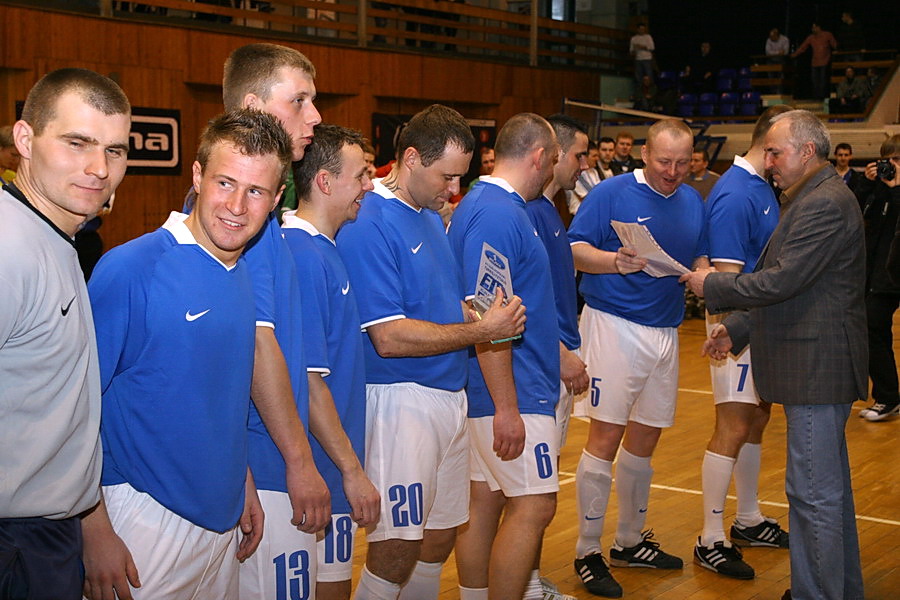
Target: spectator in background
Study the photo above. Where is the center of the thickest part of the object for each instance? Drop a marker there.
(622, 161)
(843, 154)
(641, 48)
(646, 97)
(487, 160)
(850, 35)
(9, 156)
(822, 43)
(777, 48)
(589, 177)
(700, 177)
(369, 156)
(701, 71)
(852, 94)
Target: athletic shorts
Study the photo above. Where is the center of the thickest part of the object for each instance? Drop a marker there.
(417, 456)
(40, 559)
(532, 472)
(175, 558)
(564, 408)
(633, 370)
(335, 550)
(732, 378)
(286, 558)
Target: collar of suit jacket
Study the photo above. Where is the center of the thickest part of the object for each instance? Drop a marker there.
(794, 191)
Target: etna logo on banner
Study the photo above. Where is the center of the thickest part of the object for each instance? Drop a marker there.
(155, 142)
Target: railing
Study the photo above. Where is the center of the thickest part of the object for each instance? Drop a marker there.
(448, 27)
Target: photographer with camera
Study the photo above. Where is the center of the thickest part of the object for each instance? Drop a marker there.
(879, 197)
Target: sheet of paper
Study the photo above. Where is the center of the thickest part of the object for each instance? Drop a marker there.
(639, 238)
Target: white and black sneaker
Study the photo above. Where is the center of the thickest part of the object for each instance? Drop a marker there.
(596, 577)
(880, 411)
(724, 559)
(647, 553)
(768, 533)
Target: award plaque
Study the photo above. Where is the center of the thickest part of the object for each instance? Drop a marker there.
(493, 273)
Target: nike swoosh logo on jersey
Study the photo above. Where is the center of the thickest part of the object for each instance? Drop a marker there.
(536, 233)
(642, 510)
(718, 512)
(346, 289)
(587, 518)
(189, 317)
(65, 310)
(765, 212)
(556, 233)
(642, 219)
(416, 249)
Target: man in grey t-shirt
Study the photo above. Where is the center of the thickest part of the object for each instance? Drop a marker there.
(73, 138)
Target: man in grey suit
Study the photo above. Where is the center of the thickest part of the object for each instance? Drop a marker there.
(805, 318)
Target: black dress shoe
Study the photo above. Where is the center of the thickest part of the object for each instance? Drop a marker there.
(787, 595)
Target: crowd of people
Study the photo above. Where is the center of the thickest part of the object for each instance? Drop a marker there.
(229, 399)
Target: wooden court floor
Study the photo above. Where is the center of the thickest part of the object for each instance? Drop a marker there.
(675, 511)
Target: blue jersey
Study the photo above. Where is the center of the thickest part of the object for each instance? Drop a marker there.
(400, 264)
(279, 305)
(550, 228)
(326, 288)
(494, 213)
(742, 214)
(175, 332)
(678, 224)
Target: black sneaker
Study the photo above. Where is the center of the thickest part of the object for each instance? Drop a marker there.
(724, 560)
(596, 577)
(644, 554)
(768, 533)
(880, 411)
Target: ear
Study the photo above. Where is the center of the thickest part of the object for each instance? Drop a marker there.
(322, 181)
(536, 157)
(277, 198)
(23, 135)
(250, 100)
(807, 151)
(644, 153)
(196, 175)
(411, 157)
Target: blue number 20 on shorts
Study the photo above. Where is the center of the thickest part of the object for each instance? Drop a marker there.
(407, 508)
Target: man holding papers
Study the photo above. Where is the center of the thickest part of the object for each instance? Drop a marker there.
(630, 345)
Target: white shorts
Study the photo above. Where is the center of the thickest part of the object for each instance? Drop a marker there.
(336, 550)
(563, 412)
(533, 472)
(417, 456)
(732, 378)
(284, 565)
(633, 370)
(175, 558)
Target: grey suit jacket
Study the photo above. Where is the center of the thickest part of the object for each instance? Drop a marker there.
(806, 320)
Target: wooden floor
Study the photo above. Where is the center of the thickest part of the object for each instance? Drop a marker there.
(676, 504)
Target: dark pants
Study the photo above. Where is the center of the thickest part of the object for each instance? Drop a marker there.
(880, 310)
(40, 559)
(819, 78)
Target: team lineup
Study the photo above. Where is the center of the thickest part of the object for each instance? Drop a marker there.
(234, 397)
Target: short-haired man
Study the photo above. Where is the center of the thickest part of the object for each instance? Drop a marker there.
(631, 313)
(487, 160)
(176, 349)
(812, 272)
(598, 169)
(331, 180)
(843, 154)
(741, 213)
(9, 155)
(622, 161)
(73, 139)
(572, 138)
(700, 177)
(417, 451)
(513, 385)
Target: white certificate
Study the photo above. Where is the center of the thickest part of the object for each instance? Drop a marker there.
(638, 238)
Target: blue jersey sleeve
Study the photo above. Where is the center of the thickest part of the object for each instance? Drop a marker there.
(500, 233)
(313, 282)
(591, 223)
(261, 257)
(729, 220)
(374, 271)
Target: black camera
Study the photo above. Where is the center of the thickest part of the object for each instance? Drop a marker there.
(884, 169)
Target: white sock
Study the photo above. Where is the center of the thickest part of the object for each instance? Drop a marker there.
(593, 480)
(533, 590)
(746, 484)
(633, 474)
(473, 593)
(716, 476)
(371, 587)
(424, 583)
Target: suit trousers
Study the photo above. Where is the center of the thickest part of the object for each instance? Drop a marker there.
(824, 543)
(880, 310)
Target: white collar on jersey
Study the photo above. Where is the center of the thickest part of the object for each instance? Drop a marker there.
(292, 221)
(639, 177)
(175, 225)
(743, 163)
(380, 189)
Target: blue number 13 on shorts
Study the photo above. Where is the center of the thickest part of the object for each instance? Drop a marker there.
(292, 575)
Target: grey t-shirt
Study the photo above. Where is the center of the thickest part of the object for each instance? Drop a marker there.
(50, 454)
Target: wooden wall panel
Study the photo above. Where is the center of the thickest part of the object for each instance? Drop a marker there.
(180, 68)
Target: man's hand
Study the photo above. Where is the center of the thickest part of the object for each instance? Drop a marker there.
(108, 566)
(695, 279)
(252, 520)
(310, 498)
(572, 371)
(509, 434)
(501, 322)
(718, 344)
(627, 261)
(365, 502)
